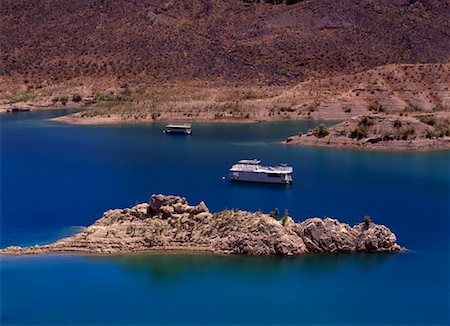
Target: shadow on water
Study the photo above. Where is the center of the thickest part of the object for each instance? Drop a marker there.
(172, 266)
(256, 185)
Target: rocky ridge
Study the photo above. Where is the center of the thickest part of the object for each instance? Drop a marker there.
(235, 41)
(169, 223)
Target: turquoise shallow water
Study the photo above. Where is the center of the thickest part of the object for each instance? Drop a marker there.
(57, 177)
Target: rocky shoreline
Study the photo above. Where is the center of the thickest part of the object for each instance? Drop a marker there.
(170, 224)
(377, 132)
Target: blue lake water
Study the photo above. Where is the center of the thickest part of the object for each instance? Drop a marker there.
(55, 178)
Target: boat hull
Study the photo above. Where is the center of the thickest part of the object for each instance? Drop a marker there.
(178, 132)
(242, 176)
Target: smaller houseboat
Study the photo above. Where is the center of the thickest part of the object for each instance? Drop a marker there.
(184, 129)
(252, 171)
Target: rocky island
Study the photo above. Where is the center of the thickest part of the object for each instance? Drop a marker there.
(169, 223)
(382, 132)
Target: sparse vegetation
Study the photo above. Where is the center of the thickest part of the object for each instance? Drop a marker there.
(367, 221)
(428, 119)
(360, 132)
(397, 123)
(406, 133)
(440, 107)
(376, 108)
(22, 98)
(320, 131)
(274, 214)
(286, 109)
(411, 108)
(76, 98)
(443, 130)
(365, 121)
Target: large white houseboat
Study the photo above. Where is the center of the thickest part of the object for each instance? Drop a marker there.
(183, 128)
(252, 171)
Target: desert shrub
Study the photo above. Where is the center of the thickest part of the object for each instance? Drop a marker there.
(285, 217)
(428, 119)
(311, 108)
(365, 121)
(22, 98)
(376, 108)
(407, 133)
(76, 98)
(155, 115)
(440, 107)
(387, 136)
(320, 131)
(287, 109)
(397, 123)
(347, 109)
(443, 130)
(367, 221)
(412, 108)
(274, 214)
(360, 132)
(430, 134)
(64, 100)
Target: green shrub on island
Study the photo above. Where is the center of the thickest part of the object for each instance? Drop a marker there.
(320, 131)
(360, 132)
(367, 221)
(274, 214)
(285, 217)
(365, 121)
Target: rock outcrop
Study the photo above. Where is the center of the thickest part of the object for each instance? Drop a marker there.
(169, 223)
(383, 132)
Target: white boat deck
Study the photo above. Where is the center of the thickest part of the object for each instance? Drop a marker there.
(254, 166)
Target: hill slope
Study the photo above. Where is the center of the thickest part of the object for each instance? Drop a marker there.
(231, 42)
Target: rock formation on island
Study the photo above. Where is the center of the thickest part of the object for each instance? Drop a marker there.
(382, 132)
(169, 223)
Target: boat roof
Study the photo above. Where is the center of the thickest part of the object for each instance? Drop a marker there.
(254, 162)
(179, 125)
(254, 166)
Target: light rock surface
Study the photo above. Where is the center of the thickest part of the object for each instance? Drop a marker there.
(169, 223)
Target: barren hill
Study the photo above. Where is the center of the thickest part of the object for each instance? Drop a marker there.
(231, 42)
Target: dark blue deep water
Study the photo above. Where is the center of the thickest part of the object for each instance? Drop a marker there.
(56, 177)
